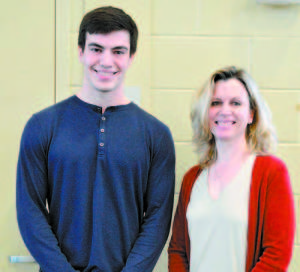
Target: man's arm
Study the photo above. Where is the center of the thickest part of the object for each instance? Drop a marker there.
(158, 208)
(32, 190)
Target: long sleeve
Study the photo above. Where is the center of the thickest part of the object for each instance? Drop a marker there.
(32, 213)
(278, 228)
(158, 201)
(179, 247)
(177, 252)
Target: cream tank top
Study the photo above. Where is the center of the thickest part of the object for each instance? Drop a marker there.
(218, 227)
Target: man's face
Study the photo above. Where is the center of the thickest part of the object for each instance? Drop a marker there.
(106, 58)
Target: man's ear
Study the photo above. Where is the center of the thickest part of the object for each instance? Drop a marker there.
(131, 58)
(80, 53)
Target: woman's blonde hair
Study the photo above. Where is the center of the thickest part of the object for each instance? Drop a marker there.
(260, 134)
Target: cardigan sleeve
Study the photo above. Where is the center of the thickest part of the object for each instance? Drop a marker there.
(279, 223)
(179, 246)
(178, 261)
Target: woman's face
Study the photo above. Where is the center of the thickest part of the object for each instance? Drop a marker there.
(229, 111)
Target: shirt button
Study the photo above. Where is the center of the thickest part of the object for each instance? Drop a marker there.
(101, 144)
(102, 130)
(103, 118)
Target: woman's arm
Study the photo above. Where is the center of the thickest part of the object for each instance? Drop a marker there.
(177, 253)
(278, 223)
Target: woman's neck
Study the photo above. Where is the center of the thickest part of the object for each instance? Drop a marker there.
(231, 152)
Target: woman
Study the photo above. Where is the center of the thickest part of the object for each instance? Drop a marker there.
(235, 210)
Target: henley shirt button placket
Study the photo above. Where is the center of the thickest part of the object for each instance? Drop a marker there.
(102, 136)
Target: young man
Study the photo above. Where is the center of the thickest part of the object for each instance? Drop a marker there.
(95, 179)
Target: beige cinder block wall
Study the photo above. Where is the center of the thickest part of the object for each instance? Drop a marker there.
(182, 42)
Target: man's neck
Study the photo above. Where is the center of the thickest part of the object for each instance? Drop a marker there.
(103, 99)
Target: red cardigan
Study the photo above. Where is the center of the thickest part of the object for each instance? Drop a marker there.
(271, 219)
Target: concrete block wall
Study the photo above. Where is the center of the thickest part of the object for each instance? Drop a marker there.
(182, 42)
